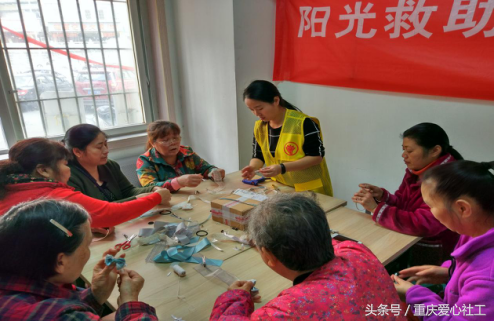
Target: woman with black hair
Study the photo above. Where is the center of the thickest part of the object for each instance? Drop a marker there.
(425, 146)
(37, 168)
(461, 196)
(45, 246)
(92, 173)
(286, 140)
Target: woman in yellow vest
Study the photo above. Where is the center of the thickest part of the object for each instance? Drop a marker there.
(286, 140)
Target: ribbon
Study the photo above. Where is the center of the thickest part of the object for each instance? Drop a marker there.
(120, 262)
(184, 254)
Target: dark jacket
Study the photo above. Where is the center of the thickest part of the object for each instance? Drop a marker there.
(116, 182)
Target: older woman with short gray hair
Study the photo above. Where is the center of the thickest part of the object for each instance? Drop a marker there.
(288, 225)
(331, 279)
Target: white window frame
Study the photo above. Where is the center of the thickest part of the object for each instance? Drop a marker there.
(121, 137)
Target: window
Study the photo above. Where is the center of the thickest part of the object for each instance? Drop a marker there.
(68, 65)
(3, 140)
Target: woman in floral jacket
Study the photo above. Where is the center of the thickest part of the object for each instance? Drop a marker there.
(168, 164)
(331, 280)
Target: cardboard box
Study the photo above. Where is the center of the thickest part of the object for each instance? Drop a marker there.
(232, 210)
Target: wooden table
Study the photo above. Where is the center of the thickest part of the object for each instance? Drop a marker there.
(197, 294)
(387, 245)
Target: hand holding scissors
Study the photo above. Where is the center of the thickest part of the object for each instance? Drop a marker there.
(125, 245)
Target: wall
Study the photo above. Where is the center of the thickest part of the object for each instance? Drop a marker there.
(203, 40)
(254, 52)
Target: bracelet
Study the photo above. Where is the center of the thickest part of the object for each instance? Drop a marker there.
(283, 168)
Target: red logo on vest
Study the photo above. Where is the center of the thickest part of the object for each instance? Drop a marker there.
(291, 148)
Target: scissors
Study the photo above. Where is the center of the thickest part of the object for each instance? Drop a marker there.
(125, 245)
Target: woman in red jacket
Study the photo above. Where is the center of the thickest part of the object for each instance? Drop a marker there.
(37, 167)
(424, 146)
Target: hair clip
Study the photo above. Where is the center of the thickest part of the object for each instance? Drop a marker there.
(491, 171)
(61, 227)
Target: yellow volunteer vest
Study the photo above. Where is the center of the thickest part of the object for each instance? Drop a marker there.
(289, 149)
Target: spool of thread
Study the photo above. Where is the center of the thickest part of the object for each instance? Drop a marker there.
(179, 271)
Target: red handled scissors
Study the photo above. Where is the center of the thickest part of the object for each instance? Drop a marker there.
(125, 245)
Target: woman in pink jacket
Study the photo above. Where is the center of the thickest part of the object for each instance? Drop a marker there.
(461, 196)
(331, 280)
(425, 145)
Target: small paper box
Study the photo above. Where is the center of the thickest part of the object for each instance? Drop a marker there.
(232, 210)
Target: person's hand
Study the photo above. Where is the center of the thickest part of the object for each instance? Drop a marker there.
(426, 274)
(248, 172)
(190, 180)
(130, 283)
(165, 194)
(217, 174)
(143, 195)
(246, 286)
(271, 171)
(375, 191)
(401, 286)
(366, 199)
(222, 171)
(104, 278)
(157, 188)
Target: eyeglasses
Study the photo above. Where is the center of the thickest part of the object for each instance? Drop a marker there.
(169, 141)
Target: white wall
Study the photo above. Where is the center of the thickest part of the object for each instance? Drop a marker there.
(203, 36)
(254, 52)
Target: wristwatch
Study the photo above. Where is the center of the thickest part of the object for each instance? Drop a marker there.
(283, 168)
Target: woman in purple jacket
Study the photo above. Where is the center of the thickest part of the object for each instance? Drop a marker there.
(425, 145)
(461, 196)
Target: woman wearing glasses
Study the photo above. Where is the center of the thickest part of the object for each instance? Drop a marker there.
(168, 164)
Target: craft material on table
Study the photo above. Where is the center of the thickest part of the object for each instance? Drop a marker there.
(120, 262)
(215, 246)
(170, 233)
(249, 194)
(153, 212)
(157, 249)
(242, 239)
(185, 254)
(179, 270)
(210, 271)
(187, 205)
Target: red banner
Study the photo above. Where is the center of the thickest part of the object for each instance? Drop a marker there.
(431, 47)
